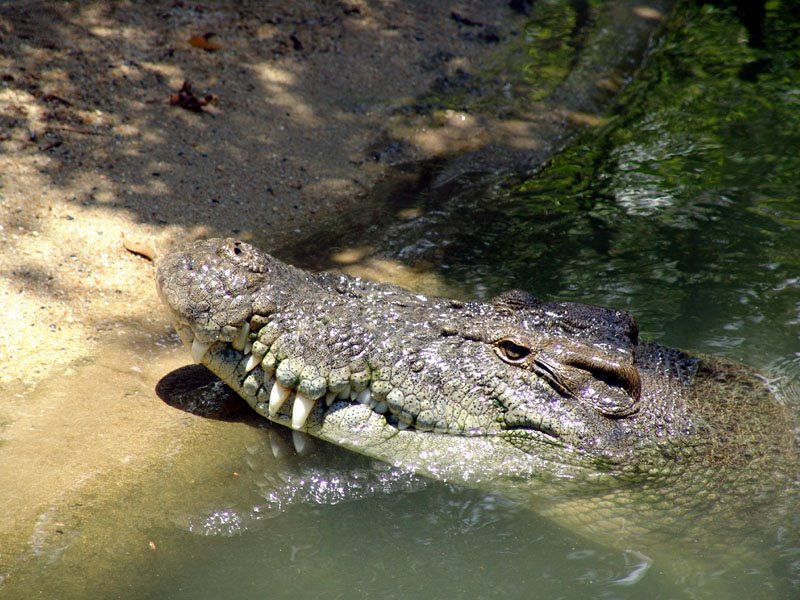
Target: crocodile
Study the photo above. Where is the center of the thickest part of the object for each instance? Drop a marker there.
(516, 394)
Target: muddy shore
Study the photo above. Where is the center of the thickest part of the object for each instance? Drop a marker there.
(127, 127)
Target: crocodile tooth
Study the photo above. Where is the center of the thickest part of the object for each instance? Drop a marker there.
(248, 348)
(364, 396)
(330, 397)
(380, 407)
(301, 409)
(199, 350)
(344, 394)
(402, 425)
(252, 362)
(277, 397)
(240, 340)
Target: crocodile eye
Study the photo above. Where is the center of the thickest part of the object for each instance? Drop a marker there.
(511, 351)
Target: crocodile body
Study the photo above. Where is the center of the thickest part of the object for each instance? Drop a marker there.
(514, 394)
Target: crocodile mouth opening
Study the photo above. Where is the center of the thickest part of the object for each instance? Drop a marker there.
(238, 356)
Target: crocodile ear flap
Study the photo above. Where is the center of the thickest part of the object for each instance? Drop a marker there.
(515, 300)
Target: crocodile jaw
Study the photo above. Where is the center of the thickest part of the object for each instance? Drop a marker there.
(355, 425)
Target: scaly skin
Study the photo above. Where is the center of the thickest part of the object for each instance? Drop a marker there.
(514, 394)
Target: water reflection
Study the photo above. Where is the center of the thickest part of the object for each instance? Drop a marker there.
(435, 543)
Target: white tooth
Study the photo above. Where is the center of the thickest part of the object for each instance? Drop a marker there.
(301, 442)
(345, 393)
(199, 350)
(353, 395)
(380, 408)
(364, 396)
(248, 347)
(402, 425)
(252, 362)
(330, 397)
(277, 396)
(301, 410)
(240, 340)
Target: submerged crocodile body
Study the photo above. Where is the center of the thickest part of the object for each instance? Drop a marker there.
(514, 394)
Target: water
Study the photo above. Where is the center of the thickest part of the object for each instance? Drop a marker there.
(437, 543)
(684, 210)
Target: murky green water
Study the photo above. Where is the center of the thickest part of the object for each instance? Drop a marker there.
(684, 210)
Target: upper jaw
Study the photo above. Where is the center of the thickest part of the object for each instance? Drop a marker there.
(307, 413)
(200, 342)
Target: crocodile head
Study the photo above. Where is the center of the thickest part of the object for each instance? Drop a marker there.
(511, 388)
(464, 391)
